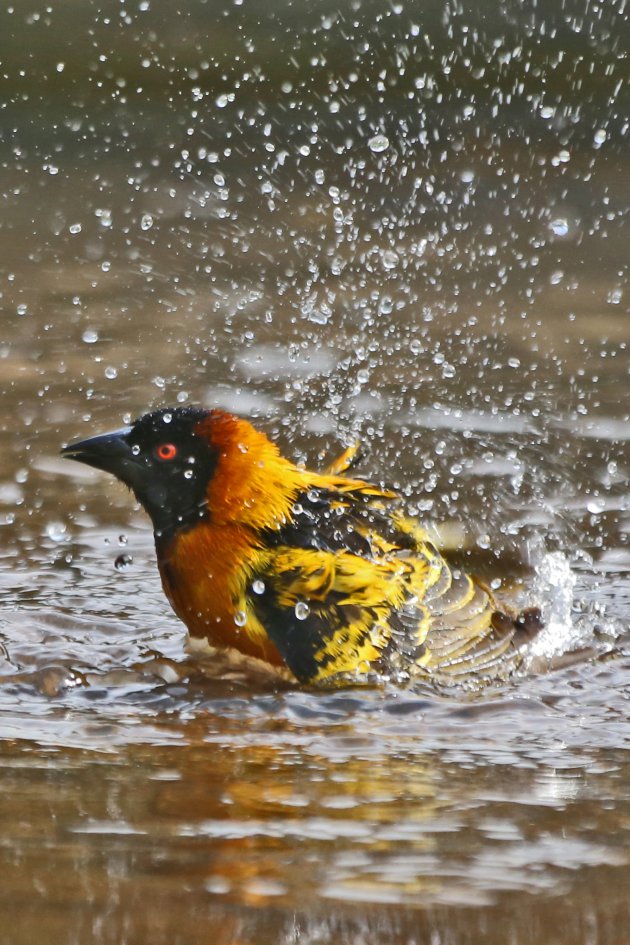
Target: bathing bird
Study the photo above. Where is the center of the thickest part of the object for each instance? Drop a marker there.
(318, 573)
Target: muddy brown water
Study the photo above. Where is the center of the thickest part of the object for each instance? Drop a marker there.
(456, 295)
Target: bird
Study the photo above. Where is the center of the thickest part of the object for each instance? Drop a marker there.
(320, 575)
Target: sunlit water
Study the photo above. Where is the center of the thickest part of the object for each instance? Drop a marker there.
(412, 230)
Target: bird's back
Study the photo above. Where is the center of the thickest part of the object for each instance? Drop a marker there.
(352, 587)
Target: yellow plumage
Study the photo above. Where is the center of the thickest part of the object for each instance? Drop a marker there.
(346, 586)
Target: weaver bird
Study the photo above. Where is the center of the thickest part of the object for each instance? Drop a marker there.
(318, 572)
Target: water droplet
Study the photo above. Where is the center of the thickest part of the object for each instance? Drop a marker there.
(146, 221)
(123, 562)
(75, 228)
(89, 336)
(599, 137)
(22, 309)
(302, 610)
(122, 539)
(559, 227)
(562, 157)
(378, 143)
(390, 259)
(240, 618)
(111, 373)
(104, 215)
(258, 587)
(56, 531)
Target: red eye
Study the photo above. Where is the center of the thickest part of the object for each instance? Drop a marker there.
(166, 451)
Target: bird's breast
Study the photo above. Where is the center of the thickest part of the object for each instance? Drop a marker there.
(204, 573)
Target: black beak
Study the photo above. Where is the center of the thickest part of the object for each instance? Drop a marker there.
(112, 453)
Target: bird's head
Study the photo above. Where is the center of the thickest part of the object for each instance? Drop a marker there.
(167, 458)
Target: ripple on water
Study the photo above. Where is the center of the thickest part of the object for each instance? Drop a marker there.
(379, 796)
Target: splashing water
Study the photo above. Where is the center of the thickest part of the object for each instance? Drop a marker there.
(572, 624)
(554, 586)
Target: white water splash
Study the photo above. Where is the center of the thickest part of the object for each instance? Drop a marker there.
(554, 588)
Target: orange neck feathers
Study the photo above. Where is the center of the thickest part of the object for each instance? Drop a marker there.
(252, 485)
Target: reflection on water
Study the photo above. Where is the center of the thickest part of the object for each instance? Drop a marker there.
(153, 794)
(411, 227)
(267, 813)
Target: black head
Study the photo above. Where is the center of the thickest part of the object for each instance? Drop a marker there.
(163, 458)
